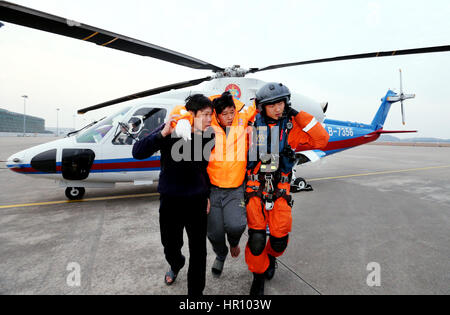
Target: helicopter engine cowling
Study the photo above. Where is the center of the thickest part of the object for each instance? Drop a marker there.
(245, 89)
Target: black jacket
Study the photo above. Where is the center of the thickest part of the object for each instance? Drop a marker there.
(183, 164)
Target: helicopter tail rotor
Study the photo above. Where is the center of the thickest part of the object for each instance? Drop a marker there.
(402, 95)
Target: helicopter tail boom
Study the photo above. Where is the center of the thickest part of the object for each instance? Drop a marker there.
(390, 98)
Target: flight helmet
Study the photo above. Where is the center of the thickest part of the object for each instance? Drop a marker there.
(272, 93)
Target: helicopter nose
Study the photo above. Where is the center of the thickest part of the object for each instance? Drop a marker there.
(33, 162)
(16, 162)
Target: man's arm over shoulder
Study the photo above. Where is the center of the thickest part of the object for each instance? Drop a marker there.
(308, 133)
(149, 145)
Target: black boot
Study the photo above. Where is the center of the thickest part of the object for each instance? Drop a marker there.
(258, 284)
(270, 272)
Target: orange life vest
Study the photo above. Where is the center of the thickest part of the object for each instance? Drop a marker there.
(228, 162)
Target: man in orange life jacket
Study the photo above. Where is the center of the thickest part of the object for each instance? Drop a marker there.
(278, 131)
(227, 219)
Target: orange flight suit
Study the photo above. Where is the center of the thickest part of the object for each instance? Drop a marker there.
(308, 134)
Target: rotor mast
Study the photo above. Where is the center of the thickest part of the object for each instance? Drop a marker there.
(232, 72)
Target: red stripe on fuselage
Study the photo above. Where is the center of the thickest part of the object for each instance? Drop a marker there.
(345, 144)
(127, 165)
(26, 170)
(99, 167)
(30, 170)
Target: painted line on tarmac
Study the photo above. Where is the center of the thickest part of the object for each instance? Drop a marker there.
(381, 173)
(82, 200)
(157, 194)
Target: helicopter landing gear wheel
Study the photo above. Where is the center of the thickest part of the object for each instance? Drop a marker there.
(75, 193)
(300, 184)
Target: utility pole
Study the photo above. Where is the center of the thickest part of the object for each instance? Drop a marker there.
(57, 122)
(24, 113)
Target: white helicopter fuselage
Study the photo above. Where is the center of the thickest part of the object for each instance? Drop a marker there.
(100, 156)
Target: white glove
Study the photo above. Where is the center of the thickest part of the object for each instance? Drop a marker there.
(183, 129)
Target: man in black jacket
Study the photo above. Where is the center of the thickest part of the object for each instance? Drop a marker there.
(184, 189)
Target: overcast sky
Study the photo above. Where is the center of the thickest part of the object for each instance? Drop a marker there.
(58, 72)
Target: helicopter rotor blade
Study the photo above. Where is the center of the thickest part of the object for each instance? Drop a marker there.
(403, 114)
(150, 92)
(13, 13)
(403, 52)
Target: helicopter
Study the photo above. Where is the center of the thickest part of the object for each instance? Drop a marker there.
(100, 154)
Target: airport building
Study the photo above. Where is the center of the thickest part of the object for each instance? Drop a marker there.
(13, 122)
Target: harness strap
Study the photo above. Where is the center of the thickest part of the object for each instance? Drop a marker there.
(270, 195)
(281, 193)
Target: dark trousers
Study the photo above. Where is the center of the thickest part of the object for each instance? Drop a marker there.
(175, 215)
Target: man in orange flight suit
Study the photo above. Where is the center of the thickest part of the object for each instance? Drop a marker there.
(278, 131)
(227, 219)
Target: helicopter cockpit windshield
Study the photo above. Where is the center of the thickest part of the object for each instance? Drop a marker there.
(98, 131)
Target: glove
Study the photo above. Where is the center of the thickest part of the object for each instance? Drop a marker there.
(183, 129)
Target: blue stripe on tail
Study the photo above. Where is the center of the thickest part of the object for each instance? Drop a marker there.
(383, 111)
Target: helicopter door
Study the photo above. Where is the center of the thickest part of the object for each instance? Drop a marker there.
(77, 163)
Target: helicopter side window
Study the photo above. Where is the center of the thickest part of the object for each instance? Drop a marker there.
(152, 118)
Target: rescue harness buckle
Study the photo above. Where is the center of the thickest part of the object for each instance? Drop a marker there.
(267, 191)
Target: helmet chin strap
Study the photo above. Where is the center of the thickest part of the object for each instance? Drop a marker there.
(269, 120)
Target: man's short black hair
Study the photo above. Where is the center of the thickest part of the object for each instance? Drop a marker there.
(222, 102)
(198, 102)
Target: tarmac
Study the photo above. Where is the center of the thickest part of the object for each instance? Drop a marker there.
(377, 222)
